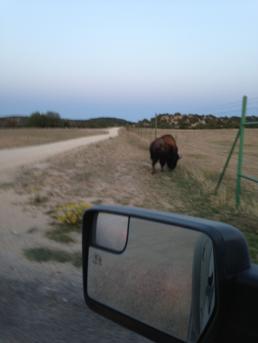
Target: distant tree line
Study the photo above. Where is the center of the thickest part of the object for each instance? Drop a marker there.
(48, 119)
(177, 120)
(194, 121)
(52, 119)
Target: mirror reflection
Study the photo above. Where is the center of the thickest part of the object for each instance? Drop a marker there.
(110, 231)
(164, 277)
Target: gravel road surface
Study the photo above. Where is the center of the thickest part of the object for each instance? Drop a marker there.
(42, 303)
(15, 157)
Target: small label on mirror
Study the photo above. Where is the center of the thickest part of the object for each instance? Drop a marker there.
(97, 260)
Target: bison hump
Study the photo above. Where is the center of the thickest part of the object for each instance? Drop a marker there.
(169, 140)
(164, 144)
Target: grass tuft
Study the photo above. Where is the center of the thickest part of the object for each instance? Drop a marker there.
(61, 233)
(46, 255)
(70, 213)
(38, 199)
(68, 219)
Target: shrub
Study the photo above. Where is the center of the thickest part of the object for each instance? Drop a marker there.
(71, 213)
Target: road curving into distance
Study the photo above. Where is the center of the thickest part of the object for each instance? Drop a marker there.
(43, 302)
(16, 157)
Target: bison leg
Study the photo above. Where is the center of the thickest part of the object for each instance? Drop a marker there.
(154, 161)
(162, 163)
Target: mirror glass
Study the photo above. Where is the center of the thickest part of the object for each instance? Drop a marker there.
(110, 231)
(164, 277)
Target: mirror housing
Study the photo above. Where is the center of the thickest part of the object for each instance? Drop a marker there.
(230, 259)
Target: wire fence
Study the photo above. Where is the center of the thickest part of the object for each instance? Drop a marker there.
(207, 150)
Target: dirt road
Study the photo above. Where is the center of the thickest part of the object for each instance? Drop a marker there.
(41, 303)
(11, 158)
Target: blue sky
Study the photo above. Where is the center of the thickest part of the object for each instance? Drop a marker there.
(127, 58)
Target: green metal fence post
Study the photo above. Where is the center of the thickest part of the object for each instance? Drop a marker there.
(227, 162)
(240, 152)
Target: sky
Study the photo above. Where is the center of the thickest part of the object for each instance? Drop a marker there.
(128, 58)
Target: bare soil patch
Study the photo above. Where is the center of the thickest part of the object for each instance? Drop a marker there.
(13, 138)
(115, 172)
(119, 172)
(41, 290)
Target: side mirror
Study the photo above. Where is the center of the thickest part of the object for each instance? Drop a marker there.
(159, 274)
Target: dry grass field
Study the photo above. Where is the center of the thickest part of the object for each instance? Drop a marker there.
(11, 138)
(207, 150)
(119, 172)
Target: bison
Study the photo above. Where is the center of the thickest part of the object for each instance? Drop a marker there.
(164, 150)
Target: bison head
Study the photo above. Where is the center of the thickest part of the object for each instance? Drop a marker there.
(172, 161)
